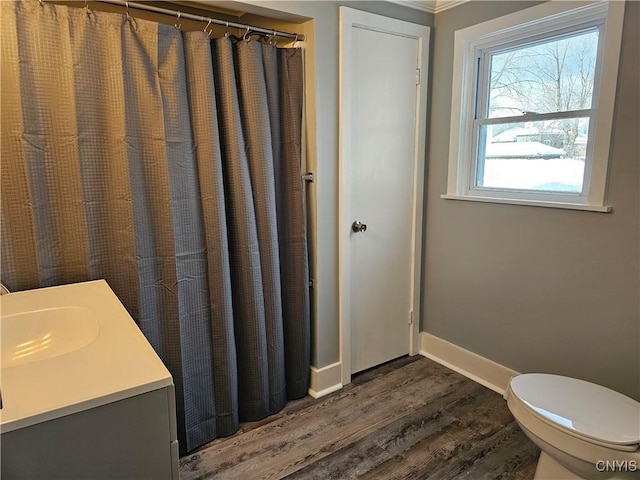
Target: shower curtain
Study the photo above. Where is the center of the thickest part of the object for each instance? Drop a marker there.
(167, 163)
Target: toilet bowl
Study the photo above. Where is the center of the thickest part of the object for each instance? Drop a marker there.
(585, 431)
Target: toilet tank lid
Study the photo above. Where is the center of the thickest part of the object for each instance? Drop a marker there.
(584, 408)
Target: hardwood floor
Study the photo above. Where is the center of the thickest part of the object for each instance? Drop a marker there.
(408, 419)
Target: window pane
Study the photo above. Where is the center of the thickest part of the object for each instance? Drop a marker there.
(545, 156)
(553, 76)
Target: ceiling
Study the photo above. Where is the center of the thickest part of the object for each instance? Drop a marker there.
(230, 7)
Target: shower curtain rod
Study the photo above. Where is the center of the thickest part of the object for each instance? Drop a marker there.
(199, 18)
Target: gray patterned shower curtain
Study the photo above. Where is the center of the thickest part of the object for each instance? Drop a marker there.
(168, 164)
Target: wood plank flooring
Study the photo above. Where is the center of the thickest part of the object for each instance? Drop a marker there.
(409, 419)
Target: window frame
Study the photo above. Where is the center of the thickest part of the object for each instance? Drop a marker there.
(545, 21)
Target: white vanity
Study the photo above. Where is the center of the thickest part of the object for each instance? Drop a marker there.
(83, 393)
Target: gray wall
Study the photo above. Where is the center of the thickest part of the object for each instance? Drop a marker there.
(537, 289)
(323, 18)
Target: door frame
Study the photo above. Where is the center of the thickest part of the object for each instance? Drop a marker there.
(355, 18)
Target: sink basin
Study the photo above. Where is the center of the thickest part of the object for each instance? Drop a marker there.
(41, 334)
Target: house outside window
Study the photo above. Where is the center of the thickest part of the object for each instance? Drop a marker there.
(532, 106)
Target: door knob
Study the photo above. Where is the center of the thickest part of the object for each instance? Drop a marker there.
(358, 226)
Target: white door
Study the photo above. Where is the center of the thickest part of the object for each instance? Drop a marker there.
(381, 115)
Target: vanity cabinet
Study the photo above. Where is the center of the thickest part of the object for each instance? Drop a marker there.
(134, 438)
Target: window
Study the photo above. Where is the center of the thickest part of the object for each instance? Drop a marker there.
(532, 106)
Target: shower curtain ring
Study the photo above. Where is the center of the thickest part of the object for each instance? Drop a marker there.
(205, 28)
(246, 34)
(226, 35)
(126, 6)
(178, 25)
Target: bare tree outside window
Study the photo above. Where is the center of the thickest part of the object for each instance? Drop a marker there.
(555, 76)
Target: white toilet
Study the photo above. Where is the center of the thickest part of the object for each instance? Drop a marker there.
(585, 431)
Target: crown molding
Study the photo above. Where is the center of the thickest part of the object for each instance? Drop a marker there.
(430, 6)
(442, 5)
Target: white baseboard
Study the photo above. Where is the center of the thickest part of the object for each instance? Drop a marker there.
(479, 369)
(325, 380)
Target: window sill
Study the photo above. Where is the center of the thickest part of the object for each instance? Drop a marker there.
(530, 203)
